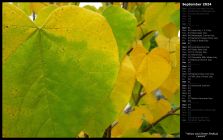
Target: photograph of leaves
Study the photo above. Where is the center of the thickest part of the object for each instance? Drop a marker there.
(99, 69)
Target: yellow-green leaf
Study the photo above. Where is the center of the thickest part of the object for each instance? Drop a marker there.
(43, 14)
(57, 79)
(13, 28)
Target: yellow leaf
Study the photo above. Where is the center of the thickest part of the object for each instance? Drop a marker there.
(171, 45)
(137, 54)
(170, 30)
(131, 121)
(161, 52)
(152, 72)
(122, 90)
(172, 83)
(37, 6)
(158, 14)
(158, 108)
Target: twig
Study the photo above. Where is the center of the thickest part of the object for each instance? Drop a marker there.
(145, 35)
(129, 51)
(171, 112)
(140, 23)
(139, 97)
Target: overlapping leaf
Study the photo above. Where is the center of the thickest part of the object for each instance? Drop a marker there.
(138, 53)
(133, 120)
(172, 45)
(43, 14)
(153, 71)
(159, 14)
(123, 25)
(123, 87)
(158, 108)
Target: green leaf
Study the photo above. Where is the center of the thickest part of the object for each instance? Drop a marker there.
(175, 18)
(175, 99)
(153, 43)
(157, 129)
(138, 9)
(135, 93)
(171, 124)
(123, 25)
(147, 41)
(57, 79)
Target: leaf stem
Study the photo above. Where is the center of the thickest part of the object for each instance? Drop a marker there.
(140, 94)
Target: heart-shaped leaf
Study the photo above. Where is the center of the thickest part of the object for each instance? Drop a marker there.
(57, 79)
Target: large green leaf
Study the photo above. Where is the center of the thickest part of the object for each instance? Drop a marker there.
(123, 25)
(57, 79)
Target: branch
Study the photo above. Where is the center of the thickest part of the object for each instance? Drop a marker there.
(171, 112)
(145, 35)
(129, 51)
(107, 133)
(140, 23)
